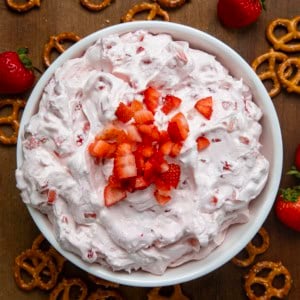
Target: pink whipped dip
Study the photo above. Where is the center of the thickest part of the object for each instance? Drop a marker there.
(216, 184)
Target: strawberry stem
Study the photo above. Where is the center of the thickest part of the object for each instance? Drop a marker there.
(22, 52)
(262, 2)
(291, 194)
(294, 171)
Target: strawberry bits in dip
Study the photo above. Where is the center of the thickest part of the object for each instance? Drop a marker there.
(142, 153)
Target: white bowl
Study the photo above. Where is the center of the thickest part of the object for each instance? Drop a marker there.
(238, 236)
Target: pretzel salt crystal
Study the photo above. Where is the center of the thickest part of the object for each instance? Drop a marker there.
(290, 79)
(24, 264)
(63, 289)
(272, 58)
(170, 3)
(289, 42)
(154, 10)
(11, 120)
(90, 5)
(253, 250)
(177, 294)
(56, 42)
(275, 269)
(22, 7)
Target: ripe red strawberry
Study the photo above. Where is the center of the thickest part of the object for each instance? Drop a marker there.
(202, 143)
(113, 195)
(124, 113)
(178, 128)
(170, 103)
(151, 98)
(287, 207)
(16, 75)
(172, 176)
(239, 13)
(295, 170)
(204, 107)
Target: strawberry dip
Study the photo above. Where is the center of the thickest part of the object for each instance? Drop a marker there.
(143, 153)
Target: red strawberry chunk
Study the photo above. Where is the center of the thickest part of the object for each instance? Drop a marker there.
(202, 143)
(162, 196)
(141, 183)
(176, 148)
(51, 196)
(205, 107)
(133, 134)
(149, 132)
(178, 128)
(113, 134)
(102, 149)
(124, 163)
(113, 195)
(124, 113)
(151, 99)
(172, 176)
(170, 103)
(143, 116)
(136, 105)
(166, 148)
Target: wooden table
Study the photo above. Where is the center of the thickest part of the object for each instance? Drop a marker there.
(32, 29)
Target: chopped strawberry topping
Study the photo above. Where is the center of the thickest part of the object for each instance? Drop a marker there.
(172, 176)
(170, 103)
(51, 196)
(113, 195)
(136, 105)
(149, 132)
(202, 143)
(162, 196)
(102, 149)
(124, 113)
(205, 107)
(124, 163)
(143, 116)
(151, 99)
(178, 128)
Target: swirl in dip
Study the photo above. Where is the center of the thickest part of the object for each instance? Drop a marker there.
(61, 178)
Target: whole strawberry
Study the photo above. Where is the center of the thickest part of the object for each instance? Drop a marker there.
(295, 170)
(239, 13)
(16, 74)
(287, 207)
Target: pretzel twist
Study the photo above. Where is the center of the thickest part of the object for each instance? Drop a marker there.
(290, 79)
(253, 250)
(63, 289)
(12, 120)
(56, 43)
(170, 3)
(276, 269)
(22, 7)
(105, 295)
(91, 5)
(154, 10)
(24, 263)
(284, 42)
(177, 294)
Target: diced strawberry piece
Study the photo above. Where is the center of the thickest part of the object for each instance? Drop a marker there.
(143, 116)
(170, 103)
(176, 148)
(136, 105)
(149, 171)
(124, 163)
(147, 151)
(202, 143)
(178, 128)
(140, 183)
(149, 132)
(102, 149)
(113, 134)
(162, 196)
(166, 148)
(51, 196)
(124, 113)
(172, 176)
(164, 137)
(113, 195)
(133, 134)
(205, 107)
(151, 99)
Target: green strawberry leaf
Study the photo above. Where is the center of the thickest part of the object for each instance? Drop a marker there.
(22, 52)
(291, 194)
(263, 4)
(293, 171)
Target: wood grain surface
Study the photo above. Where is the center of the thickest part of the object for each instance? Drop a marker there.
(32, 29)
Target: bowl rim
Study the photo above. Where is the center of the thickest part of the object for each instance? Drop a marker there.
(144, 279)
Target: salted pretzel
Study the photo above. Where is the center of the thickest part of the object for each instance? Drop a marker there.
(102, 282)
(285, 42)
(154, 10)
(290, 79)
(170, 3)
(56, 43)
(105, 295)
(22, 7)
(275, 269)
(24, 264)
(64, 289)
(91, 5)
(11, 120)
(253, 250)
(58, 259)
(273, 58)
(155, 294)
